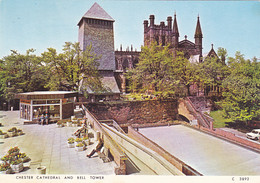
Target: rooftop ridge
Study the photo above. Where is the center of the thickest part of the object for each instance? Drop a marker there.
(97, 12)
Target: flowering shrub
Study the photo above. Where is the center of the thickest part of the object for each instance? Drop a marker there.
(13, 150)
(14, 129)
(85, 138)
(78, 140)
(71, 139)
(79, 145)
(8, 157)
(4, 166)
(16, 162)
(22, 155)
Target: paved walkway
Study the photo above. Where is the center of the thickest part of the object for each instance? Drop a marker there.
(47, 146)
(239, 134)
(207, 154)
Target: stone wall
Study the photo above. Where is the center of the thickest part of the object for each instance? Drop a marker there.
(136, 112)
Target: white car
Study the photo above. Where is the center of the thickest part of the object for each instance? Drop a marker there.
(255, 134)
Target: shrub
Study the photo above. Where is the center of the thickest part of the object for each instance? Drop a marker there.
(78, 140)
(8, 158)
(14, 129)
(4, 166)
(16, 162)
(22, 155)
(85, 138)
(13, 150)
(71, 139)
(79, 145)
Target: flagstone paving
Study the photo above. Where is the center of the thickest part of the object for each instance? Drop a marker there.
(47, 146)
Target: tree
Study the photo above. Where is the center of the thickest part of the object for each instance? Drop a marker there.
(160, 73)
(69, 67)
(242, 98)
(212, 71)
(153, 73)
(21, 73)
(184, 71)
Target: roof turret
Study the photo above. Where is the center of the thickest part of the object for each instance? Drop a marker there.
(175, 30)
(198, 32)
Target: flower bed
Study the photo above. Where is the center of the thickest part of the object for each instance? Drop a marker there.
(3, 135)
(70, 142)
(79, 147)
(14, 159)
(5, 168)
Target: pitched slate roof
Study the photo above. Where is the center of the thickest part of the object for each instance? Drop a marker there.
(108, 86)
(97, 12)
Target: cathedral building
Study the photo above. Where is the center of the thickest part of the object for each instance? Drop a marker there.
(168, 34)
(96, 29)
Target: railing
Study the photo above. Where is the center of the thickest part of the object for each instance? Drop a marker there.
(114, 124)
(115, 149)
(201, 119)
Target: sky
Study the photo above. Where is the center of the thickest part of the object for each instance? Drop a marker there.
(41, 24)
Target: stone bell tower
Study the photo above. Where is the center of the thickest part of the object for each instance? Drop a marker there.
(96, 28)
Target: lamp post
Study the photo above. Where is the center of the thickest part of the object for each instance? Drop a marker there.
(8, 106)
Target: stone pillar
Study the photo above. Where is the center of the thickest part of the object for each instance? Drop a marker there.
(211, 125)
(97, 136)
(106, 151)
(60, 108)
(31, 111)
(123, 83)
(121, 169)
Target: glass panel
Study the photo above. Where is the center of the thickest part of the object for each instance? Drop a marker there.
(51, 111)
(39, 102)
(53, 101)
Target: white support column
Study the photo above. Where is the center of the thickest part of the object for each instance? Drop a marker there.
(31, 111)
(20, 105)
(60, 108)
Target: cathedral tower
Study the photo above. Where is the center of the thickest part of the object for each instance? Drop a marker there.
(96, 28)
(175, 33)
(198, 37)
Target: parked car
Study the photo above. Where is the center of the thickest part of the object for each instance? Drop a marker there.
(255, 134)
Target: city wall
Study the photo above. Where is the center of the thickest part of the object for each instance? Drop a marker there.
(136, 112)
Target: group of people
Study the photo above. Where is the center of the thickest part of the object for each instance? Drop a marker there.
(44, 118)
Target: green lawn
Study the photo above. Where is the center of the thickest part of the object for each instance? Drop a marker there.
(219, 120)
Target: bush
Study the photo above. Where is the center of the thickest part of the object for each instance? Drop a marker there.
(78, 140)
(4, 166)
(79, 145)
(71, 139)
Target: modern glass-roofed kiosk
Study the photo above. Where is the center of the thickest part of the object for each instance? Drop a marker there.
(58, 104)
